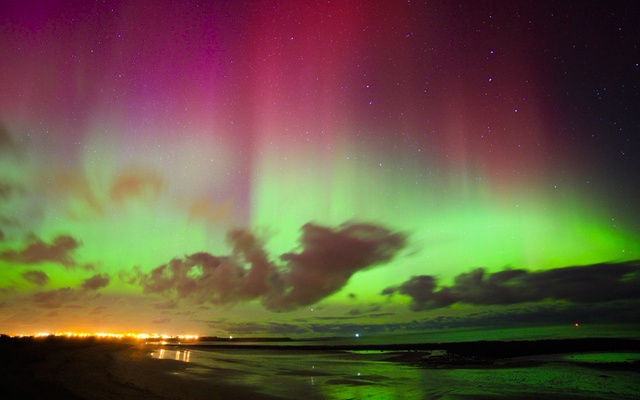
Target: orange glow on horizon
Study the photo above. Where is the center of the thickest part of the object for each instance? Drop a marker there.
(110, 335)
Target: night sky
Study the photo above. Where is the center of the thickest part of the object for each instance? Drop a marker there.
(313, 168)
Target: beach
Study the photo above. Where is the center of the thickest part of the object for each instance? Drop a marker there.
(108, 369)
(99, 369)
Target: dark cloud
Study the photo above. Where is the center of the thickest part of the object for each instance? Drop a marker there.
(59, 251)
(166, 305)
(6, 142)
(96, 282)
(203, 208)
(539, 315)
(580, 284)
(56, 298)
(6, 221)
(336, 318)
(6, 190)
(358, 313)
(161, 321)
(380, 315)
(98, 310)
(422, 290)
(375, 308)
(89, 267)
(135, 184)
(65, 185)
(528, 315)
(269, 328)
(10, 190)
(330, 257)
(80, 200)
(347, 329)
(36, 277)
(327, 258)
(68, 297)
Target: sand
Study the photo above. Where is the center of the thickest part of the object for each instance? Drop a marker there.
(107, 369)
(93, 369)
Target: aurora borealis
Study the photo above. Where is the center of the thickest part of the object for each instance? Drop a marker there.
(312, 168)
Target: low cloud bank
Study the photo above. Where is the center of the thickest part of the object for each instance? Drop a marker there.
(579, 284)
(62, 297)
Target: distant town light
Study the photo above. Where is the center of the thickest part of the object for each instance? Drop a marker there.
(109, 335)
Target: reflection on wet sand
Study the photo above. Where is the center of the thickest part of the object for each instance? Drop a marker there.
(401, 375)
(93, 369)
(178, 355)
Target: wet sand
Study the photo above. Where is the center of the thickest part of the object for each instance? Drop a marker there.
(106, 369)
(95, 369)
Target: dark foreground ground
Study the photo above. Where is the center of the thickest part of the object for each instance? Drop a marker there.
(56, 368)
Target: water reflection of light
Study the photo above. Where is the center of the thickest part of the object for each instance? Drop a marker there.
(178, 355)
(183, 356)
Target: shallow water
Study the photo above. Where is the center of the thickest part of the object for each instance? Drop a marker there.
(344, 375)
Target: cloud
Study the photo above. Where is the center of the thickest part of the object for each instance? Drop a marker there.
(7, 221)
(98, 310)
(89, 267)
(56, 298)
(371, 312)
(6, 190)
(59, 251)
(135, 183)
(161, 321)
(257, 328)
(67, 296)
(535, 315)
(82, 200)
(96, 282)
(6, 142)
(326, 260)
(36, 277)
(579, 284)
(421, 289)
(166, 305)
(75, 193)
(204, 208)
